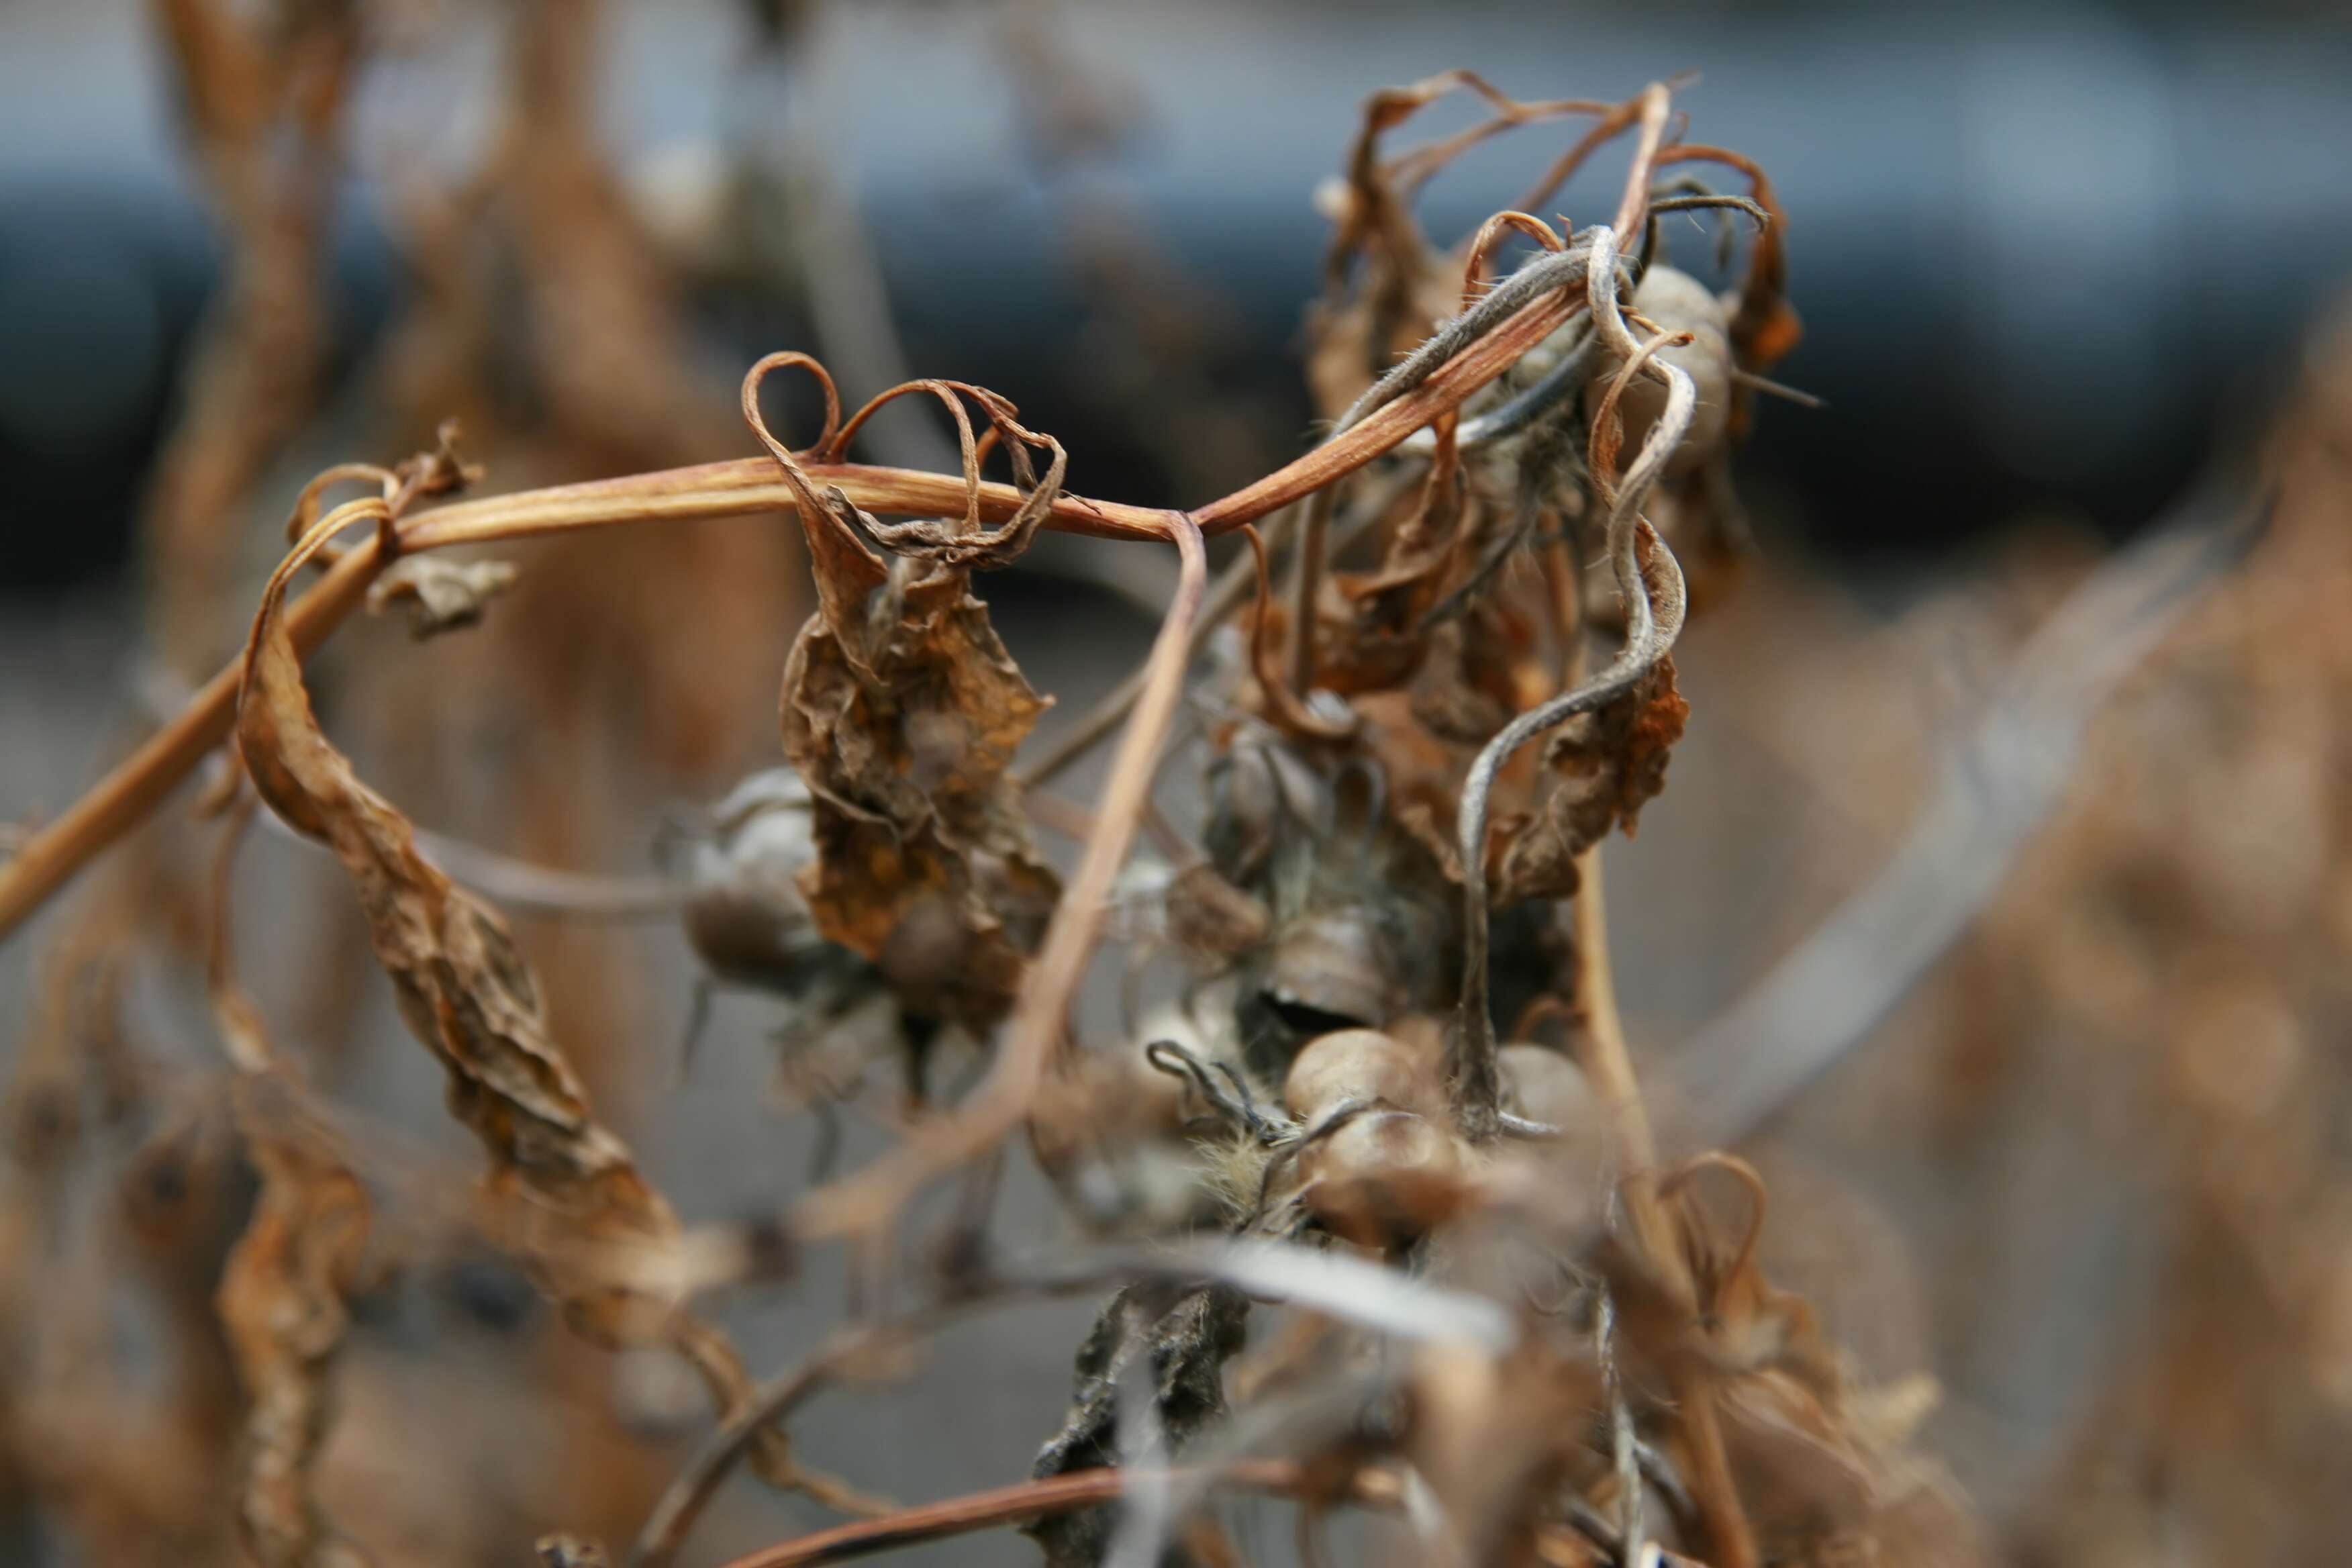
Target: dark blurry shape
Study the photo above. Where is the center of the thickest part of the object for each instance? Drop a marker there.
(1929, 153)
(81, 347)
(98, 297)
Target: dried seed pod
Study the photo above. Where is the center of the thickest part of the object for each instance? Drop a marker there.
(1352, 961)
(1361, 1064)
(1390, 1166)
(1677, 302)
(1209, 920)
(1258, 788)
(1360, 913)
(1384, 1178)
(1334, 969)
(745, 915)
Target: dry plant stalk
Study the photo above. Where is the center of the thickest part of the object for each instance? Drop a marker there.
(467, 994)
(286, 1289)
(264, 101)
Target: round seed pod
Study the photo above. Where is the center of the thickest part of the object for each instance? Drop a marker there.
(744, 913)
(1359, 1064)
(1679, 304)
(1383, 1178)
(1333, 968)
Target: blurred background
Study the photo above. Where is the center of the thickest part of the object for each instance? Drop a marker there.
(2065, 272)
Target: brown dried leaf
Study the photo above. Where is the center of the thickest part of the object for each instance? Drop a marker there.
(924, 860)
(1612, 763)
(285, 1303)
(902, 711)
(468, 994)
(1465, 691)
(441, 595)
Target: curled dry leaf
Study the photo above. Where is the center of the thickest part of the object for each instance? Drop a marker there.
(440, 594)
(902, 711)
(1188, 1341)
(285, 1304)
(286, 1289)
(1611, 764)
(468, 994)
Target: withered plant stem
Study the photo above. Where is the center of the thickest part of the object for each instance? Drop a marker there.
(675, 1513)
(1607, 1064)
(1607, 1060)
(48, 859)
(1043, 1498)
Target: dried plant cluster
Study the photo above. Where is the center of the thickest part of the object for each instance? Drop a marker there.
(1365, 1175)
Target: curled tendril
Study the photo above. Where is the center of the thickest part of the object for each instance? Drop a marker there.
(1490, 235)
(973, 544)
(1282, 704)
(963, 543)
(1602, 456)
(1650, 584)
(1296, 1141)
(1234, 1103)
(305, 515)
(426, 473)
(1409, 171)
(1750, 1178)
(834, 509)
(758, 373)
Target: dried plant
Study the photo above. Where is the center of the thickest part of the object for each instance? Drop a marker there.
(1368, 1171)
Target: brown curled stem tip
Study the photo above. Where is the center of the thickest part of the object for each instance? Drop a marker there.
(1490, 235)
(972, 543)
(1385, 189)
(305, 515)
(1601, 454)
(830, 520)
(1765, 327)
(1614, 121)
(857, 1205)
(48, 859)
(1546, 1008)
(1682, 1175)
(1633, 207)
(1286, 709)
(827, 438)
(832, 451)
